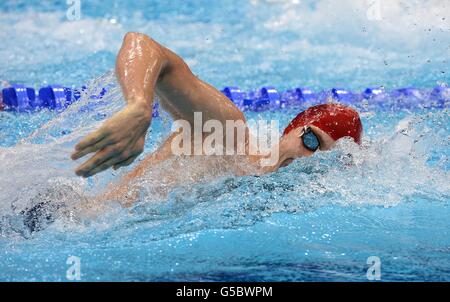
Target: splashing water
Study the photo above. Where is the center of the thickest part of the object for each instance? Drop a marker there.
(405, 161)
(317, 219)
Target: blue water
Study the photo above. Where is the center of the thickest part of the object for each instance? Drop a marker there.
(318, 219)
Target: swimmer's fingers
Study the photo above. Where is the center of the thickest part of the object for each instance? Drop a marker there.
(98, 159)
(102, 167)
(90, 149)
(90, 140)
(126, 162)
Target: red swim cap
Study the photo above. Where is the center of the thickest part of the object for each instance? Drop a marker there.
(335, 119)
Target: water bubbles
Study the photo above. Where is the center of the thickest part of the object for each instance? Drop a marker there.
(403, 158)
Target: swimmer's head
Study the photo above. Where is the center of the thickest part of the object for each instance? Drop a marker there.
(336, 120)
(327, 124)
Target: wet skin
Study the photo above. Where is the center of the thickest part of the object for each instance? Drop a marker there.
(144, 69)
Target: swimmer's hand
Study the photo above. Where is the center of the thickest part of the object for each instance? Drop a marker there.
(118, 142)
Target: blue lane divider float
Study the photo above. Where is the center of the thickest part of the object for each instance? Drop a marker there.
(18, 97)
(346, 96)
(56, 97)
(375, 97)
(303, 94)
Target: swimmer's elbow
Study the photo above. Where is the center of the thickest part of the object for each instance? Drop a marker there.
(137, 36)
(173, 61)
(151, 48)
(131, 35)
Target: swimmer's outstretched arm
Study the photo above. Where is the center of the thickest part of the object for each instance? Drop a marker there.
(145, 68)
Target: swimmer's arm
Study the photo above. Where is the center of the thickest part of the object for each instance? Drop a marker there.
(182, 94)
(140, 62)
(144, 68)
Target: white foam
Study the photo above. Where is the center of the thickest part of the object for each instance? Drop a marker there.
(386, 21)
(38, 37)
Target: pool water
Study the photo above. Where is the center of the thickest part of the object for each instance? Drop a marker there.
(319, 219)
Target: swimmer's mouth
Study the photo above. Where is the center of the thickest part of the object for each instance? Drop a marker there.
(286, 162)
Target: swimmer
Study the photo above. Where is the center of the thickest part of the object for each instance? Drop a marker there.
(146, 69)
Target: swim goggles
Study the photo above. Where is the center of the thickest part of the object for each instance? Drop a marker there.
(309, 139)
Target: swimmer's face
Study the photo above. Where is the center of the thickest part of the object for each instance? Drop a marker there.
(292, 147)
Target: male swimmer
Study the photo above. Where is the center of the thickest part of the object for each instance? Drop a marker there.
(144, 69)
